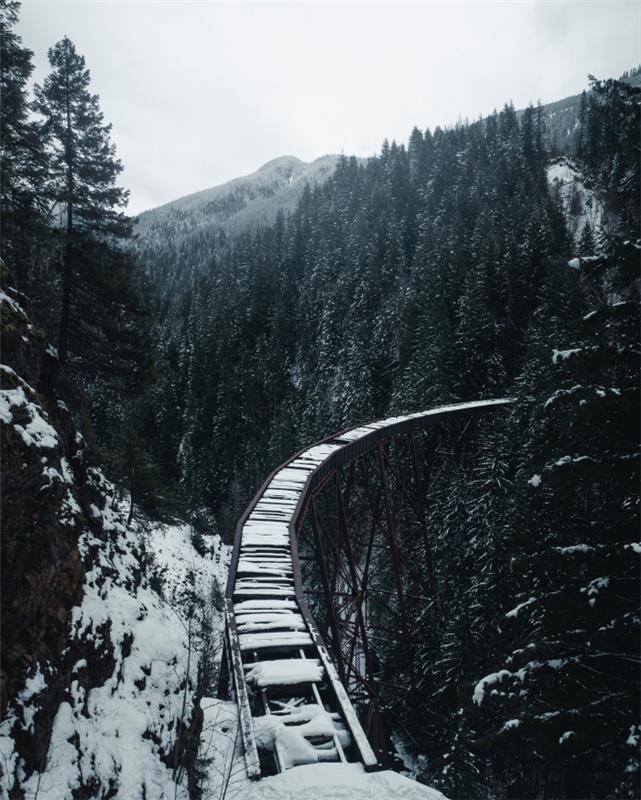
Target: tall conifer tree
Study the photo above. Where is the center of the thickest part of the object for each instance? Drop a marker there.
(83, 166)
(22, 157)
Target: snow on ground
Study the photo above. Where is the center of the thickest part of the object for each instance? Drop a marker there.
(221, 752)
(413, 764)
(225, 777)
(580, 203)
(37, 432)
(133, 678)
(340, 782)
(185, 573)
(115, 732)
(116, 727)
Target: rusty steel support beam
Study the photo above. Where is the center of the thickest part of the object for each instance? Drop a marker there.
(356, 596)
(370, 549)
(375, 509)
(391, 535)
(349, 557)
(329, 599)
(420, 486)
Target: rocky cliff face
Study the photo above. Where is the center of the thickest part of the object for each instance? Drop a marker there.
(47, 495)
(100, 665)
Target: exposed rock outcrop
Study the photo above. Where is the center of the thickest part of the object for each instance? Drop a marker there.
(99, 670)
(47, 496)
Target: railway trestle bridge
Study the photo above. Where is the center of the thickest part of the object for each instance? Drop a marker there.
(322, 559)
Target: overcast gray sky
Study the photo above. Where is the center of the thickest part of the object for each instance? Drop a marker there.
(202, 92)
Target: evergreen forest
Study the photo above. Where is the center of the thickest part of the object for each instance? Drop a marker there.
(448, 268)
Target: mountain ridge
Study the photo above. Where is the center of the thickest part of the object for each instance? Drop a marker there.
(273, 162)
(243, 202)
(256, 198)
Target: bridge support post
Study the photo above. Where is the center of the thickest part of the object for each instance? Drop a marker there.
(422, 519)
(375, 721)
(333, 623)
(265, 590)
(396, 567)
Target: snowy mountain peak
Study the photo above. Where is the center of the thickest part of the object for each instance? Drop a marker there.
(283, 162)
(237, 205)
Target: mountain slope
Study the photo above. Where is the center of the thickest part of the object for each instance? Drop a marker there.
(562, 116)
(239, 204)
(108, 629)
(252, 200)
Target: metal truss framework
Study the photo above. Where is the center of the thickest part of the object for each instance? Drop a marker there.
(322, 564)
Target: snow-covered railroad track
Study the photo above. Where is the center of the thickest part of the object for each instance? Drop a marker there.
(275, 655)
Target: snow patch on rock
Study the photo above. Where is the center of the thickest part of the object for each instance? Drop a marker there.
(119, 734)
(580, 204)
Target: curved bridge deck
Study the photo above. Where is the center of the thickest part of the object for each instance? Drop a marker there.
(291, 700)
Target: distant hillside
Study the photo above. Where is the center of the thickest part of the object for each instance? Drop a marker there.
(185, 233)
(257, 198)
(561, 117)
(239, 204)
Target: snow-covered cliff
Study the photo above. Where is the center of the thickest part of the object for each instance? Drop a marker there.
(109, 633)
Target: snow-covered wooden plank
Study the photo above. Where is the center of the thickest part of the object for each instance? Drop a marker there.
(265, 508)
(259, 641)
(255, 539)
(367, 754)
(270, 592)
(266, 554)
(264, 582)
(289, 503)
(321, 451)
(268, 546)
(275, 505)
(284, 672)
(265, 535)
(354, 434)
(270, 622)
(256, 615)
(253, 605)
(250, 566)
(284, 618)
(271, 514)
(290, 472)
(263, 539)
(273, 553)
(257, 568)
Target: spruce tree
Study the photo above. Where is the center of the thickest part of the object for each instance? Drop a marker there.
(22, 156)
(563, 707)
(82, 168)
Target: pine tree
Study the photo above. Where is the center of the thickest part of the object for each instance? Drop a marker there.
(22, 156)
(82, 168)
(564, 705)
(579, 136)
